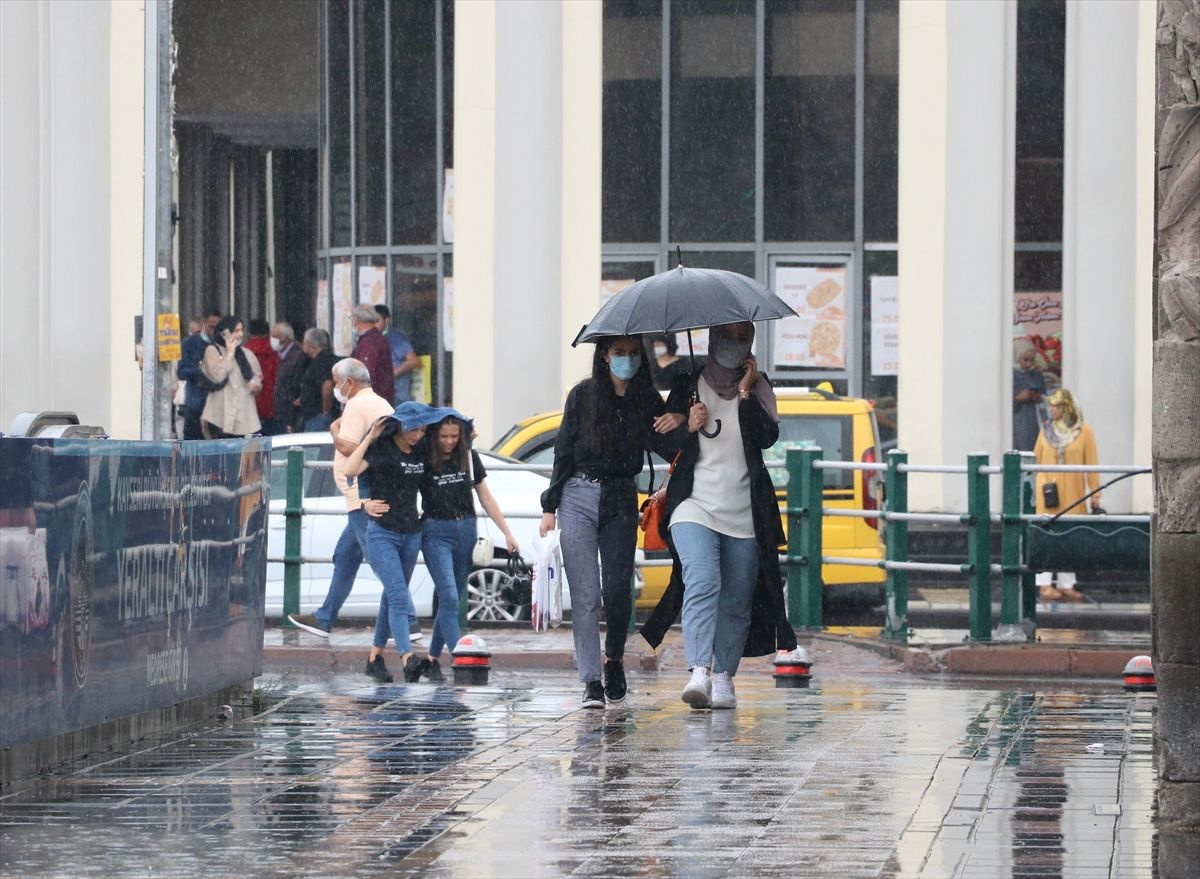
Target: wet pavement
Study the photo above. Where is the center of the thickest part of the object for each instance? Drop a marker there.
(870, 772)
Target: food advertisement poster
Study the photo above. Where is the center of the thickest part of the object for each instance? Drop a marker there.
(885, 325)
(817, 336)
(448, 313)
(323, 305)
(610, 287)
(1037, 314)
(343, 303)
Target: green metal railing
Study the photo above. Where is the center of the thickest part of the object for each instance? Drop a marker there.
(1018, 608)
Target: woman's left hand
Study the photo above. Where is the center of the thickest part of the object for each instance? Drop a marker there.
(375, 508)
(751, 376)
(668, 421)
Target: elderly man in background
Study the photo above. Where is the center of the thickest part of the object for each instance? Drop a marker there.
(287, 377)
(315, 402)
(1029, 386)
(362, 407)
(373, 350)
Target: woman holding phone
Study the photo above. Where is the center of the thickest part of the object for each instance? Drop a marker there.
(229, 410)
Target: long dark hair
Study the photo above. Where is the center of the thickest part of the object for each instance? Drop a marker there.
(459, 454)
(229, 322)
(606, 433)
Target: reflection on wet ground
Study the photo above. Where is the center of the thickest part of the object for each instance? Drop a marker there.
(855, 777)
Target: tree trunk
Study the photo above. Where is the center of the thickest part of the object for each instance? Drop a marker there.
(1175, 569)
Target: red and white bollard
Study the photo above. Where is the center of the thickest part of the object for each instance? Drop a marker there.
(792, 668)
(472, 661)
(1139, 675)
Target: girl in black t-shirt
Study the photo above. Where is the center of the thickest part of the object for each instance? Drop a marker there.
(448, 528)
(395, 454)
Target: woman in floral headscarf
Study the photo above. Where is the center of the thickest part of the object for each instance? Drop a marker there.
(1064, 439)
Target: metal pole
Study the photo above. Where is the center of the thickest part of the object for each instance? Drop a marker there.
(1028, 580)
(806, 494)
(979, 550)
(896, 624)
(1010, 547)
(291, 535)
(156, 229)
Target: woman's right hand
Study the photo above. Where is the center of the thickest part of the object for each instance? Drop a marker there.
(375, 507)
(549, 520)
(667, 422)
(697, 417)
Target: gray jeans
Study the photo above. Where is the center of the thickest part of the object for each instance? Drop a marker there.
(598, 544)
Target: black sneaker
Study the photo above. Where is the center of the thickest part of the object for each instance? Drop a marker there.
(434, 673)
(378, 671)
(414, 667)
(614, 681)
(593, 695)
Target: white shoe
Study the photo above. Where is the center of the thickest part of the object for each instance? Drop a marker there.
(799, 656)
(698, 692)
(722, 690)
(415, 636)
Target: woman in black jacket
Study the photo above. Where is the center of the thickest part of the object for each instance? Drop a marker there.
(724, 525)
(609, 421)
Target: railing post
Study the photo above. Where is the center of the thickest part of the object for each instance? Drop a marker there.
(1010, 548)
(979, 550)
(806, 495)
(1028, 579)
(896, 624)
(291, 535)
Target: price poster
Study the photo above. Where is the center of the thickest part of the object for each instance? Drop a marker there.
(817, 336)
(885, 325)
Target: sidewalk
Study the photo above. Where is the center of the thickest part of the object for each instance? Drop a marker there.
(1057, 652)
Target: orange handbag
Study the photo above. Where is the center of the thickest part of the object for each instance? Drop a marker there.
(652, 511)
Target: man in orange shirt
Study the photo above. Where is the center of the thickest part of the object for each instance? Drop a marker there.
(362, 407)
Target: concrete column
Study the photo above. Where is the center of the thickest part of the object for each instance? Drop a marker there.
(527, 202)
(1104, 201)
(957, 128)
(1176, 538)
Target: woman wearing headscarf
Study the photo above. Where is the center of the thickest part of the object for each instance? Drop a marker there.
(722, 523)
(229, 410)
(1064, 439)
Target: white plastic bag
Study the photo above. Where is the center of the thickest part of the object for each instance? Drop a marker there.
(546, 609)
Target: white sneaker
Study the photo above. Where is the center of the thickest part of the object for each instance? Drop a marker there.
(799, 656)
(416, 636)
(698, 692)
(722, 690)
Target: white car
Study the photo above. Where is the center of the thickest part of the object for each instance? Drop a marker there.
(492, 593)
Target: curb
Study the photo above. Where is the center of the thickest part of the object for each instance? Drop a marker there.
(348, 659)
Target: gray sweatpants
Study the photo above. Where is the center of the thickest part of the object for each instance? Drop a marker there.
(599, 538)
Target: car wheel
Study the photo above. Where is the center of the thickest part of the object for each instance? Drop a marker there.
(487, 599)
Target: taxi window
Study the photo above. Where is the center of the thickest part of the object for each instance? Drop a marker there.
(539, 450)
(830, 433)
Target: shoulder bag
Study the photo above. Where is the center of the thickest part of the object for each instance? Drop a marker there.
(654, 507)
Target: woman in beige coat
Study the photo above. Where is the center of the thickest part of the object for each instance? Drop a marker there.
(229, 410)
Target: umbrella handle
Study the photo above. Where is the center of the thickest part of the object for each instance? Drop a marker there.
(714, 433)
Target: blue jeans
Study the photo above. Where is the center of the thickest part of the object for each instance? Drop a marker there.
(317, 423)
(347, 559)
(719, 573)
(447, 544)
(393, 556)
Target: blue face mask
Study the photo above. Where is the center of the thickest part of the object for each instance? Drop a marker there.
(624, 367)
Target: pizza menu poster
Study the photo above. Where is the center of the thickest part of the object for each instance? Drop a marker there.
(817, 336)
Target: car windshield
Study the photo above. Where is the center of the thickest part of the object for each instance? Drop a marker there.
(317, 483)
(830, 433)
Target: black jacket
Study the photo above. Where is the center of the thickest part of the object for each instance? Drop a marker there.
(769, 627)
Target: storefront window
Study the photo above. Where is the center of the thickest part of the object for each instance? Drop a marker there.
(881, 121)
(808, 151)
(1041, 64)
(880, 339)
(632, 120)
(337, 22)
(370, 125)
(414, 123)
(414, 305)
(712, 120)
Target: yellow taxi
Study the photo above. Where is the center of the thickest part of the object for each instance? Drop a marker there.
(843, 427)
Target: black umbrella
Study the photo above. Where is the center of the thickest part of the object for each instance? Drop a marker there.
(684, 299)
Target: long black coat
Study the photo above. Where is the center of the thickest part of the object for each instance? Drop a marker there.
(769, 627)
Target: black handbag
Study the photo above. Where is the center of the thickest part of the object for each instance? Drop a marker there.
(1050, 495)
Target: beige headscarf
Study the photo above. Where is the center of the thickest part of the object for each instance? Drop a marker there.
(1063, 431)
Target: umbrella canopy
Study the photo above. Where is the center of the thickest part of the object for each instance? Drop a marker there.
(684, 299)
